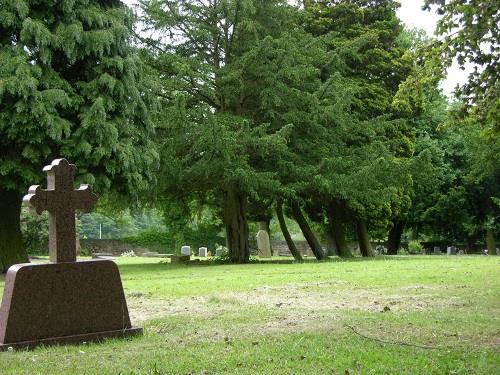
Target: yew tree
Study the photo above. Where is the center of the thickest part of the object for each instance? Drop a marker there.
(70, 86)
(366, 172)
(233, 73)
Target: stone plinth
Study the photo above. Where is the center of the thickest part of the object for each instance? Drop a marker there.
(63, 303)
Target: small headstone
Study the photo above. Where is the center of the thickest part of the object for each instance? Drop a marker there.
(437, 250)
(218, 251)
(263, 242)
(62, 301)
(202, 252)
(186, 250)
(451, 250)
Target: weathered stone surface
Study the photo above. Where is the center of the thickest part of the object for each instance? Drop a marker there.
(202, 252)
(186, 250)
(63, 300)
(263, 242)
(61, 200)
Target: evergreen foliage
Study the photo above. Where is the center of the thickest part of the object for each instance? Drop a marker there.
(70, 86)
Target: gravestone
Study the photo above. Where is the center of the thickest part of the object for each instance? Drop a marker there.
(218, 251)
(437, 250)
(186, 250)
(451, 250)
(263, 242)
(65, 300)
(202, 252)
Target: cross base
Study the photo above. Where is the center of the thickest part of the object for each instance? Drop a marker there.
(55, 303)
(75, 339)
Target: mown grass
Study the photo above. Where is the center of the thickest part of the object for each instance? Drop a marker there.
(398, 315)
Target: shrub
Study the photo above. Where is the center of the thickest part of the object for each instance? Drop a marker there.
(415, 247)
(35, 229)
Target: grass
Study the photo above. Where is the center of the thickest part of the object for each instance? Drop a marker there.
(395, 315)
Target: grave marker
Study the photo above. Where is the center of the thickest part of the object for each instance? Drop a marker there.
(63, 301)
(202, 252)
(263, 241)
(186, 250)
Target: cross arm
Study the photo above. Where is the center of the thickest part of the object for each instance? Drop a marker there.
(84, 198)
(36, 199)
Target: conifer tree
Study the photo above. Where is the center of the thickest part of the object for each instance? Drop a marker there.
(70, 86)
(230, 71)
(364, 176)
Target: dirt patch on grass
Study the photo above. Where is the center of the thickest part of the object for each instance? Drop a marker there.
(324, 296)
(311, 307)
(309, 298)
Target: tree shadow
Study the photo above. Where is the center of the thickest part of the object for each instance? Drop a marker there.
(199, 263)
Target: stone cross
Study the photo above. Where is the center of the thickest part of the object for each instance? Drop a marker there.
(61, 201)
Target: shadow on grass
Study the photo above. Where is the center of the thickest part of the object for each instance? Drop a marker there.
(198, 263)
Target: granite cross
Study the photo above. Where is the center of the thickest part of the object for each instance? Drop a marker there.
(61, 200)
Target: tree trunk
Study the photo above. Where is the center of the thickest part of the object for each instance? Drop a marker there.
(394, 238)
(490, 242)
(307, 231)
(12, 249)
(337, 230)
(471, 242)
(236, 225)
(291, 245)
(364, 239)
(331, 247)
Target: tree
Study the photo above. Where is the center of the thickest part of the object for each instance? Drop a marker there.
(70, 86)
(366, 172)
(236, 81)
(468, 31)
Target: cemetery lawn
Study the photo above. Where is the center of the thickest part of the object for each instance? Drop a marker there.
(394, 315)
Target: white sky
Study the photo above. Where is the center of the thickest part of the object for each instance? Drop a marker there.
(412, 15)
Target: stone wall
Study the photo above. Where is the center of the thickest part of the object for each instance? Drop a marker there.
(115, 247)
(281, 248)
(118, 247)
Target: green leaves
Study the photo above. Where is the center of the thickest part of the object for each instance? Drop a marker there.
(71, 85)
(468, 31)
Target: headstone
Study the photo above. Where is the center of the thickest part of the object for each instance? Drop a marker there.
(186, 250)
(263, 242)
(451, 250)
(437, 250)
(202, 252)
(218, 252)
(62, 301)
